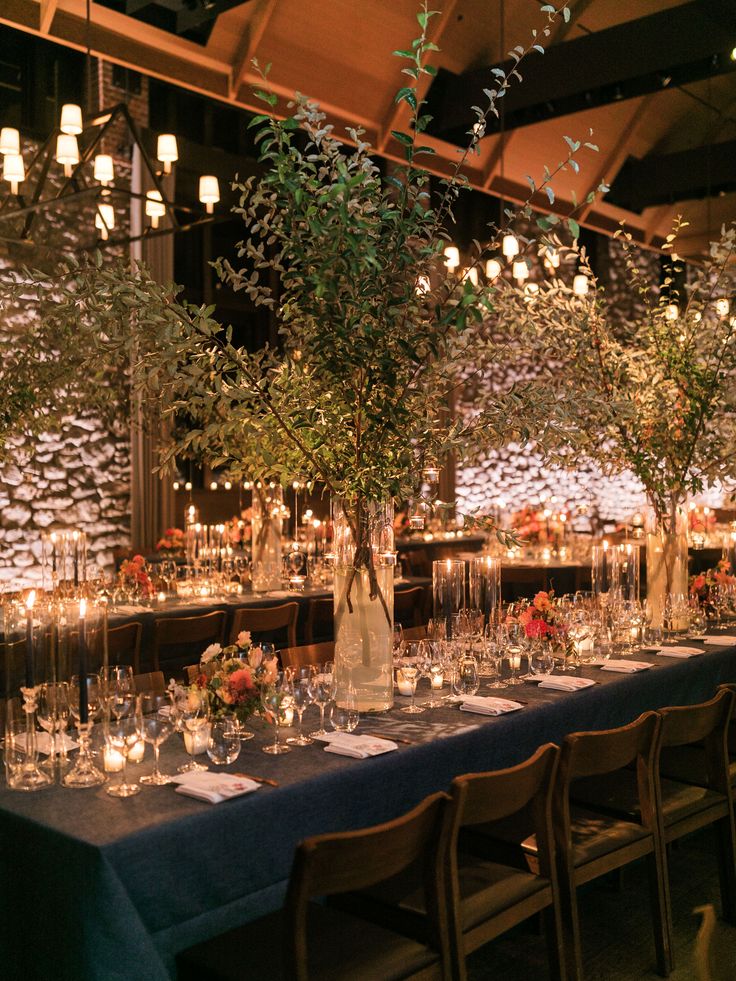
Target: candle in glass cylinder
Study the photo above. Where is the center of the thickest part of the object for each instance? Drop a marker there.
(514, 661)
(436, 680)
(83, 704)
(29, 638)
(75, 539)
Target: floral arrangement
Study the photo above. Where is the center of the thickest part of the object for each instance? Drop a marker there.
(541, 619)
(133, 572)
(528, 524)
(699, 520)
(234, 676)
(239, 529)
(172, 541)
(702, 584)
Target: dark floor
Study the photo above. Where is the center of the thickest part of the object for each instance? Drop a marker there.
(616, 932)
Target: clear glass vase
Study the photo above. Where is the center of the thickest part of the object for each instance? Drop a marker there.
(268, 517)
(364, 604)
(666, 563)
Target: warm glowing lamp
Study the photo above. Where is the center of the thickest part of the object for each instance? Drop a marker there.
(510, 246)
(71, 119)
(671, 311)
(209, 192)
(13, 170)
(9, 141)
(471, 273)
(155, 207)
(67, 152)
(104, 170)
(493, 269)
(580, 285)
(452, 257)
(105, 219)
(722, 306)
(519, 270)
(167, 151)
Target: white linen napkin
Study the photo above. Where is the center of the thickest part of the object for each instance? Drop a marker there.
(720, 640)
(559, 682)
(280, 593)
(486, 705)
(43, 742)
(130, 610)
(213, 788)
(679, 651)
(357, 747)
(624, 666)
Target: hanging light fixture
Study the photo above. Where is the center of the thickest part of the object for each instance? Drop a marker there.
(519, 270)
(105, 220)
(155, 207)
(13, 171)
(493, 269)
(510, 246)
(531, 290)
(470, 273)
(551, 259)
(67, 152)
(9, 141)
(71, 119)
(722, 306)
(104, 170)
(580, 285)
(167, 151)
(422, 286)
(209, 192)
(452, 257)
(671, 311)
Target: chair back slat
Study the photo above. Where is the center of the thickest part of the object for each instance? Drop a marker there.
(685, 724)
(301, 657)
(590, 754)
(415, 633)
(320, 619)
(124, 644)
(267, 620)
(151, 681)
(178, 639)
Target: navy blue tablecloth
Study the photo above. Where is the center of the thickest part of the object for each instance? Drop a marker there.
(99, 889)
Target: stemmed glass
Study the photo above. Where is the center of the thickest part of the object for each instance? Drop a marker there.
(322, 688)
(408, 671)
(276, 698)
(192, 709)
(84, 773)
(117, 689)
(122, 733)
(398, 641)
(465, 677)
(302, 697)
(515, 648)
(53, 716)
(434, 667)
(155, 711)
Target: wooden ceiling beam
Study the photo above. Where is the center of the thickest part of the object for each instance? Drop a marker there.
(252, 37)
(48, 9)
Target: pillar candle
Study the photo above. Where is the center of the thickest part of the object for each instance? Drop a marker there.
(29, 638)
(83, 704)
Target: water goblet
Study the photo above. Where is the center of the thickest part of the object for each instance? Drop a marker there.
(223, 745)
(117, 689)
(515, 649)
(344, 717)
(276, 698)
(322, 688)
(53, 716)
(302, 698)
(465, 677)
(121, 735)
(408, 674)
(192, 709)
(156, 716)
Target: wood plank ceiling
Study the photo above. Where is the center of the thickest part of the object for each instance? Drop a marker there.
(659, 93)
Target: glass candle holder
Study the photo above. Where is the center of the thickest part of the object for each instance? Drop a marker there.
(604, 572)
(627, 561)
(448, 590)
(485, 586)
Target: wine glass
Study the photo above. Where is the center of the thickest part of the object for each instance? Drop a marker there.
(322, 687)
(541, 658)
(698, 621)
(398, 641)
(345, 716)
(155, 711)
(94, 698)
(192, 708)
(223, 745)
(493, 640)
(408, 674)
(465, 677)
(515, 636)
(436, 629)
(276, 698)
(434, 668)
(302, 697)
(53, 716)
(117, 689)
(121, 735)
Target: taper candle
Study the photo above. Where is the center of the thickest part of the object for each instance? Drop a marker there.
(29, 638)
(83, 703)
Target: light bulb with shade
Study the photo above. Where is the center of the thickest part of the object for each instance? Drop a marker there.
(67, 152)
(71, 119)
(155, 207)
(722, 306)
(510, 246)
(671, 311)
(9, 141)
(167, 150)
(105, 219)
(551, 259)
(13, 171)
(209, 192)
(104, 171)
(580, 285)
(519, 270)
(471, 273)
(493, 269)
(423, 286)
(452, 257)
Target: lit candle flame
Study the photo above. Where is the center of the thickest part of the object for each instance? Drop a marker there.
(82, 609)
(31, 599)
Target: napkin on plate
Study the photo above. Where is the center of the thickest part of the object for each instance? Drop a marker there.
(560, 683)
(678, 651)
(484, 705)
(720, 640)
(624, 666)
(213, 788)
(358, 747)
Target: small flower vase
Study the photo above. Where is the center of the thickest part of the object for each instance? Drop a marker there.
(666, 564)
(364, 603)
(268, 514)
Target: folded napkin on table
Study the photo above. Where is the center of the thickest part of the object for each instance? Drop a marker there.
(560, 683)
(130, 611)
(624, 666)
(358, 747)
(720, 640)
(483, 705)
(213, 788)
(43, 742)
(679, 651)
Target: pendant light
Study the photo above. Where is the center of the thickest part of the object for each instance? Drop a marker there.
(155, 208)
(580, 284)
(452, 257)
(510, 246)
(167, 150)
(104, 170)
(471, 274)
(71, 119)
(67, 152)
(209, 192)
(105, 219)
(13, 171)
(9, 141)
(671, 311)
(423, 285)
(722, 306)
(493, 269)
(519, 270)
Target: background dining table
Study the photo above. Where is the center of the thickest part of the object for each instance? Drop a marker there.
(102, 889)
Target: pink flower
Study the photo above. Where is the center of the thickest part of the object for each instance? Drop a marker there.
(699, 583)
(240, 682)
(243, 638)
(541, 601)
(271, 671)
(255, 656)
(537, 628)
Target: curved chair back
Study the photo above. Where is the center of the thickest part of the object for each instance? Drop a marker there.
(267, 620)
(301, 657)
(179, 640)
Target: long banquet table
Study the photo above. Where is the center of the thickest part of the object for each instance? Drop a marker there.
(102, 889)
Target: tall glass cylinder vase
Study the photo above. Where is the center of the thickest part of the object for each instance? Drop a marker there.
(666, 563)
(448, 590)
(605, 573)
(628, 559)
(485, 586)
(364, 602)
(268, 519)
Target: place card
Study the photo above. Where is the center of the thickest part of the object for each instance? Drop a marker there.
(558, 682)
(487, 705)
(679, 651)
(213, 788)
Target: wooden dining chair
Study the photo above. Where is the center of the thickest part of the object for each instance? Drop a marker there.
(178, 641)
(301, 657)
(688, 763)
(590, 843)
(267, 620)
(414, 633)
(409, 606)
(320, 623)
(150, 681)
(309, 941)
(124, 644)
(490, 884)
